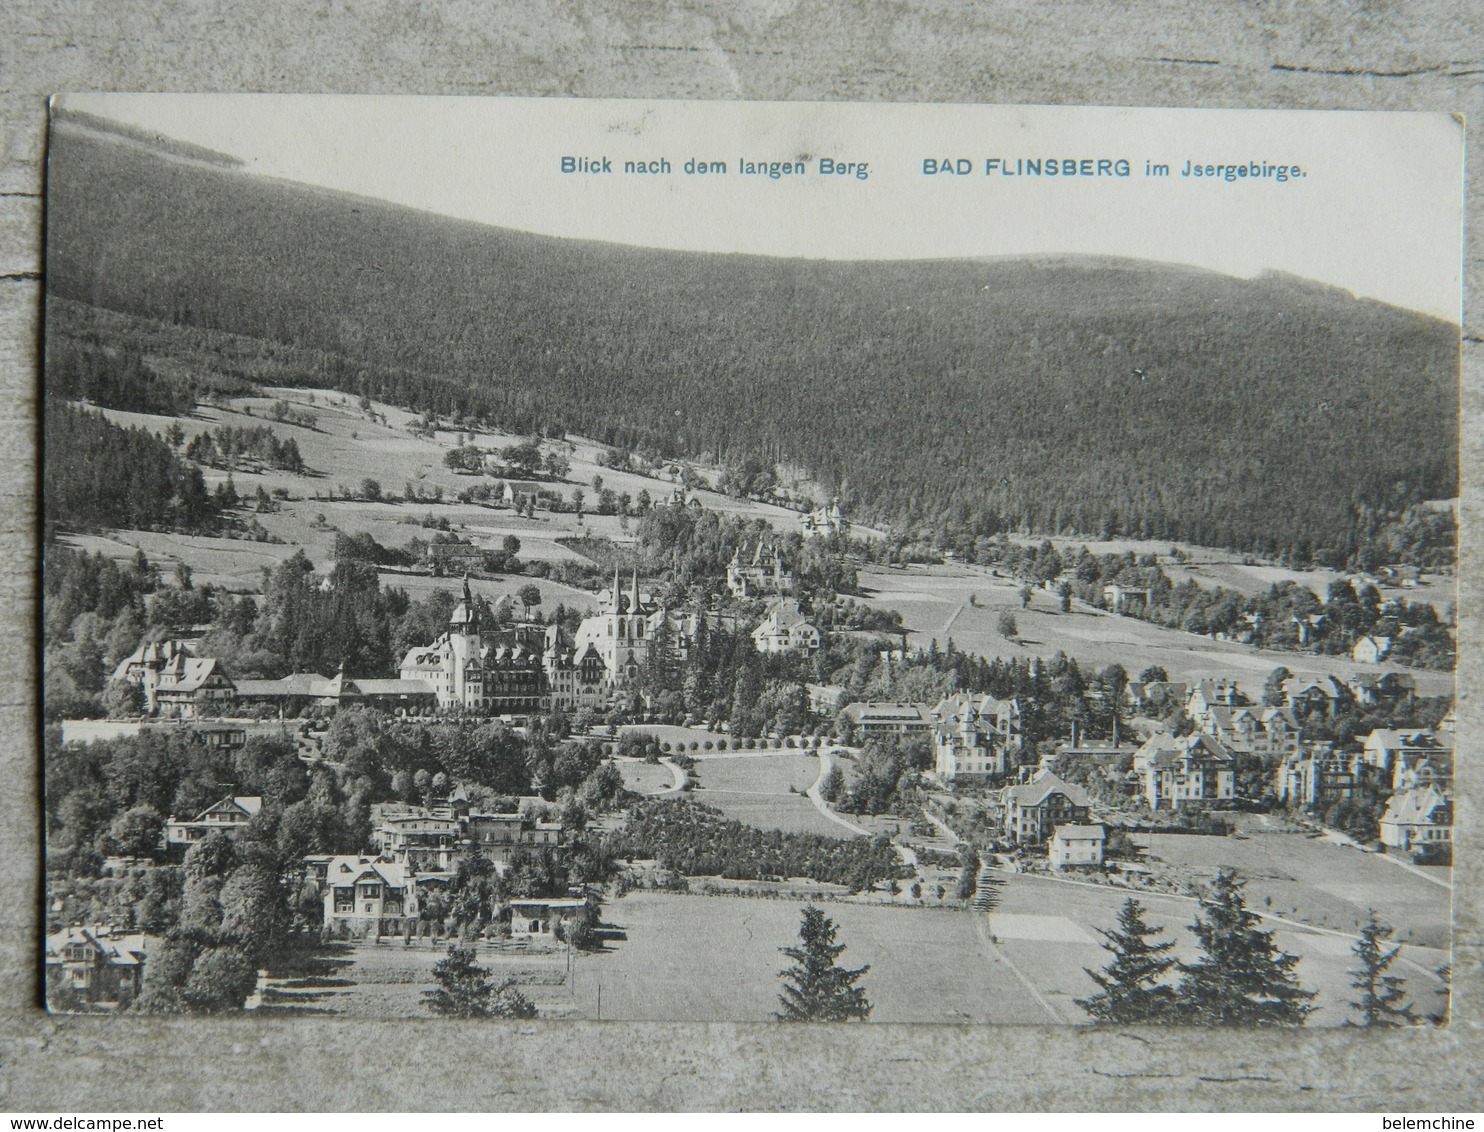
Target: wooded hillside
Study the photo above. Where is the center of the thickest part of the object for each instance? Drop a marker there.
(1067, 395)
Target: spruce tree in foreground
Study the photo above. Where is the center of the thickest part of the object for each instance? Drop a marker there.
(816, 989)
(1382, 1001)
(465, 991)
(1242, 978)
(1131, 990)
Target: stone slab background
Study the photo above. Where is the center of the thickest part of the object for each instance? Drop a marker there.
(1367, 54)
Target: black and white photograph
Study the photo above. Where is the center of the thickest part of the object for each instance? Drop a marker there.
(749, 562)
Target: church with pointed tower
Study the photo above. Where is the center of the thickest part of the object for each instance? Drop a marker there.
(621, 632)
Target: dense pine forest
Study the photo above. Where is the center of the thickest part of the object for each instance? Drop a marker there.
(1098, 397)
(96, 474)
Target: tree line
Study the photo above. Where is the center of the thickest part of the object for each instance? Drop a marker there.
(1240, 978)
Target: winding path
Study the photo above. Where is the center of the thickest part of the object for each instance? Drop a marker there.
(827, 764)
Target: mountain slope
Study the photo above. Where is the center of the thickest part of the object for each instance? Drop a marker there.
(1065, 394)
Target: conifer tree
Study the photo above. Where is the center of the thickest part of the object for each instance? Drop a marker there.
(1382, 1001)
(1130, 986)
(817, 990)
(1242, 978)
(465, 991)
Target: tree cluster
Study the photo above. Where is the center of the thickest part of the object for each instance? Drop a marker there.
(96, 474)
(696, 840)
(1240, 978)
(228, 446)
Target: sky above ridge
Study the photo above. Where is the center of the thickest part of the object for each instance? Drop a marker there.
(1377, 211)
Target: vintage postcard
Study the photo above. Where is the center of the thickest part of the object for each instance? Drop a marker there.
(682, 561)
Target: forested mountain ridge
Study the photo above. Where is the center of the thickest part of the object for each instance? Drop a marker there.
(1095, 396)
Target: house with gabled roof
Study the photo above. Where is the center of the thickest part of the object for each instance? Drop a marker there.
(1032, 810)
(1195, 769)
(1387, 748)
(1208, 694)
(97, 966)
(1074, 846)
(1314, 693)
(230, 815)
(368, 895)
(1420, 819)
(193, 688)
(785, 629)
(975, 737)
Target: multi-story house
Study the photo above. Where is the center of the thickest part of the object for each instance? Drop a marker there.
(1194, 770)
(230, 815)
(1271, 732)
(1318, 776)
(1208, 694)
(96, 966)
(785, 629)
(879, 717)
(1314, 694)
(975, 737)
(1074, 846)
(1386, 748)
(368, 896)
(1420, 819)
(501, 836)
(193, 688)
(760, 574)
(423, 841)
(573, 680)
(1033, 810)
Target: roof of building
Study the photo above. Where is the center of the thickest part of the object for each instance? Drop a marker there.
(191, 673)
(298, 684)
(1416, 807)
(784, 614)
(1165, 751)
(549, 902)
(885, 711)
(1396, 738)
(1040, 788)
(248, 804)
(345, 871)
(394, 687)
(967, 707)
(125, 950)
(1081, 832)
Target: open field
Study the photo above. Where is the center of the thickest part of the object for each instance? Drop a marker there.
(1044, 945)
(347, 445)
(934, 603)
(755, 789)
(1315, 880)
(707, 957)
(387, 980)
(644, 778)
(701, 958)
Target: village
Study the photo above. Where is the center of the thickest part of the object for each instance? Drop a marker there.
(516, 784)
